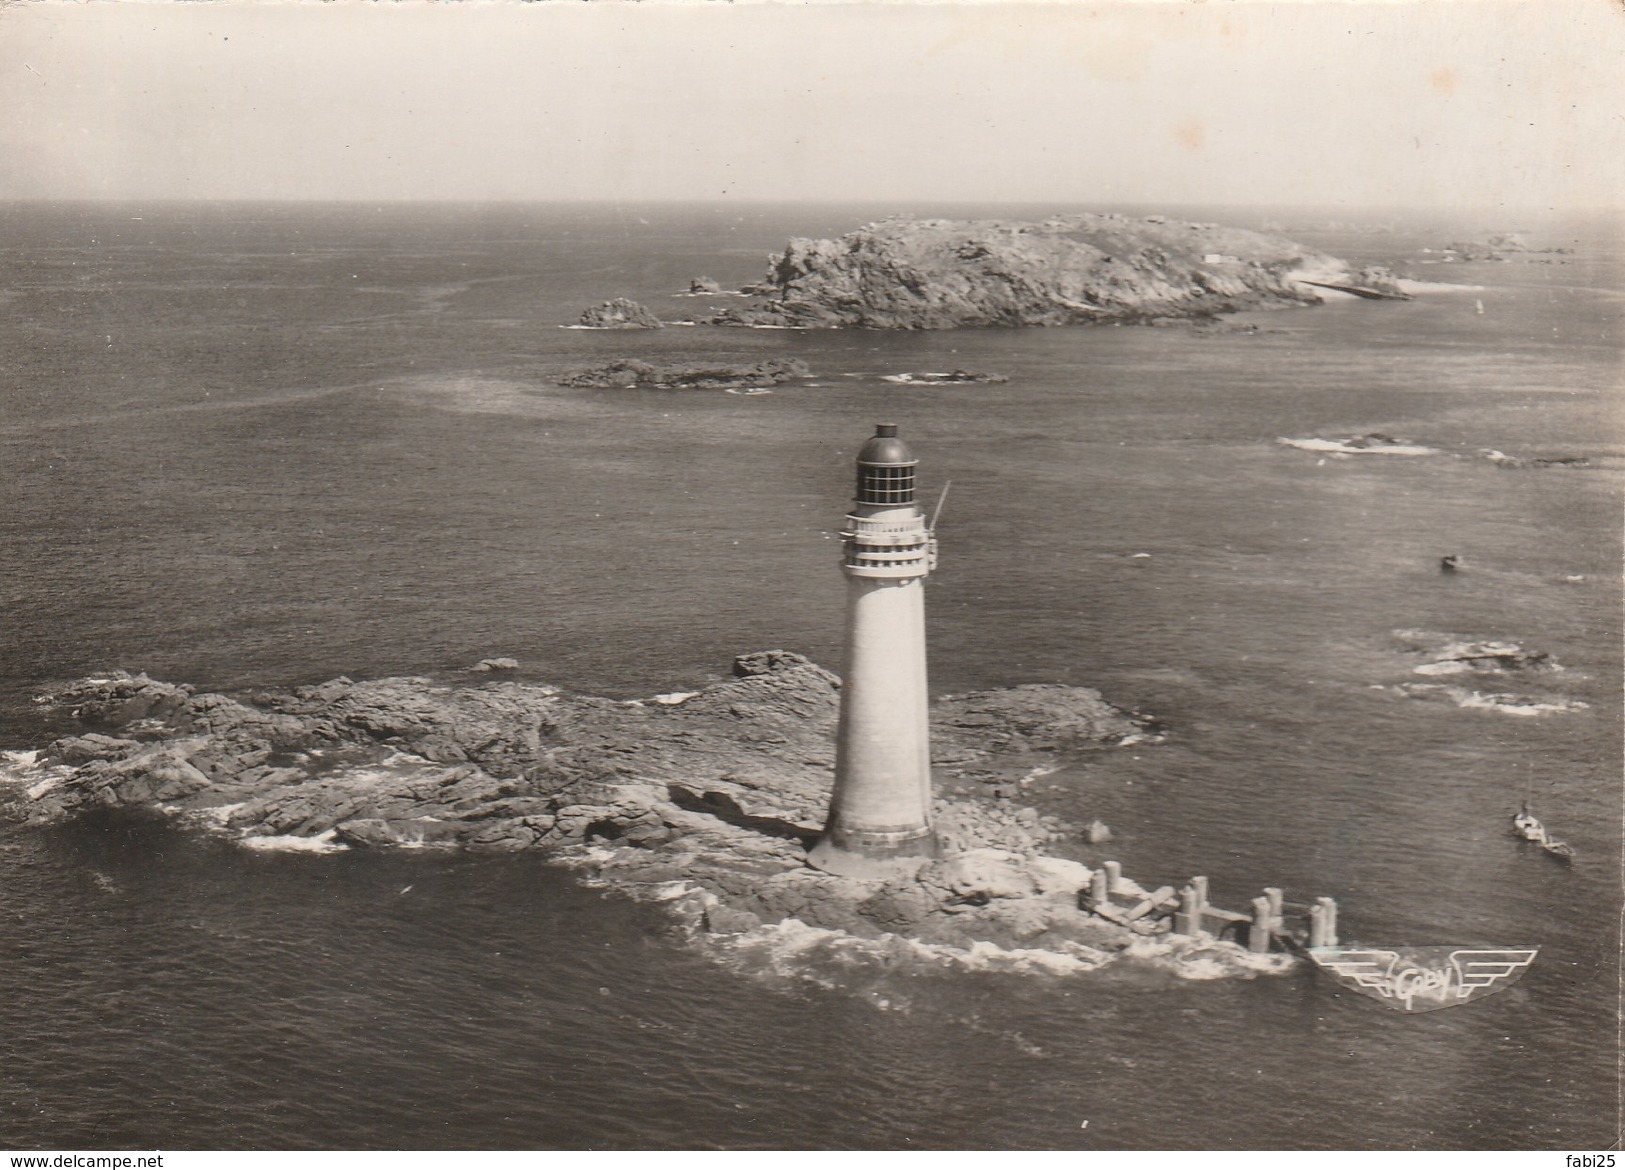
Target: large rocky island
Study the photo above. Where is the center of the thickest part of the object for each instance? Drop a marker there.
(704, 801)
(1070, 269)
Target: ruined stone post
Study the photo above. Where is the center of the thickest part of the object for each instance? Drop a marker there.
(1258, 934)
(1328, 920)
(1199, 884)
(1188, 918)
(1114, 876)
(1277, 901)
(1100, 888)
(1317, 925)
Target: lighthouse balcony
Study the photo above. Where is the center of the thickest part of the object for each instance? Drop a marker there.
(909, 528)
(891, 560)
(914, 534)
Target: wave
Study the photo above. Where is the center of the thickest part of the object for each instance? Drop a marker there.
(1503, 702)
(1339, 447)
(321, 843)
(794, 952)
(1426, 287)
(23, 770)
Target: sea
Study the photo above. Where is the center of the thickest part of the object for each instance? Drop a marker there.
(262, 445)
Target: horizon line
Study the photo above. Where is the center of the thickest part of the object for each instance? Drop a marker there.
(715, 201)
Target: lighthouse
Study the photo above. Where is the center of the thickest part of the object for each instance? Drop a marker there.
(879, 823)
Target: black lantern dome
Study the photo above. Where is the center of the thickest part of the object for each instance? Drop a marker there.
(886, 469)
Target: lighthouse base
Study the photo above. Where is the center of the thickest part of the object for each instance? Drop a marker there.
(838, 854)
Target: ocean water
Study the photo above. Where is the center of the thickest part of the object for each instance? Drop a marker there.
(247, 445)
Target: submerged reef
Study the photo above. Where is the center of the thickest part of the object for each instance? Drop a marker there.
(1071, 269)
(1433, 655)
(704, 801)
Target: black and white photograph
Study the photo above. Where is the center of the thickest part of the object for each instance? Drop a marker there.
(686, 576)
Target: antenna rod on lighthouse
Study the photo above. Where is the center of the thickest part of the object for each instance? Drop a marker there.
(936, 513)
(879, 824)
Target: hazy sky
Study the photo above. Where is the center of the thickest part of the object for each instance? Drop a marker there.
(1433, 102)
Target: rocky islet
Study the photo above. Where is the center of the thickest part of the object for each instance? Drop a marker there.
(704, 801)
(1089, 268)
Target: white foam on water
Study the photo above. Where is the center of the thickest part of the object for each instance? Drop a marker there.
(23, 768)
(217, 815)
(829, 958)
(321, 843)
(667, 891)
(1138, 737)
(1450, 667)
(1203, 960)
(1073, 959)
(1502, 702)
(1518, 704)
(1333, 447)
(1426, 287)
(35, 791)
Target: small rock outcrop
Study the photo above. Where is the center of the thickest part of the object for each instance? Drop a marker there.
(619, 313)
(1446, 654)
(1527, 462)
(1436, 655)
(630, 373)
(951, 378)
(1499, 246)
(1377, 278)
(1072, 269)
(485, 665)
(1371, 443)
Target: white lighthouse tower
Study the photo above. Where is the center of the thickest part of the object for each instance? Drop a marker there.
(879, 822)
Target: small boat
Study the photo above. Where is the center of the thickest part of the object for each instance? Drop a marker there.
(1529, 828)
